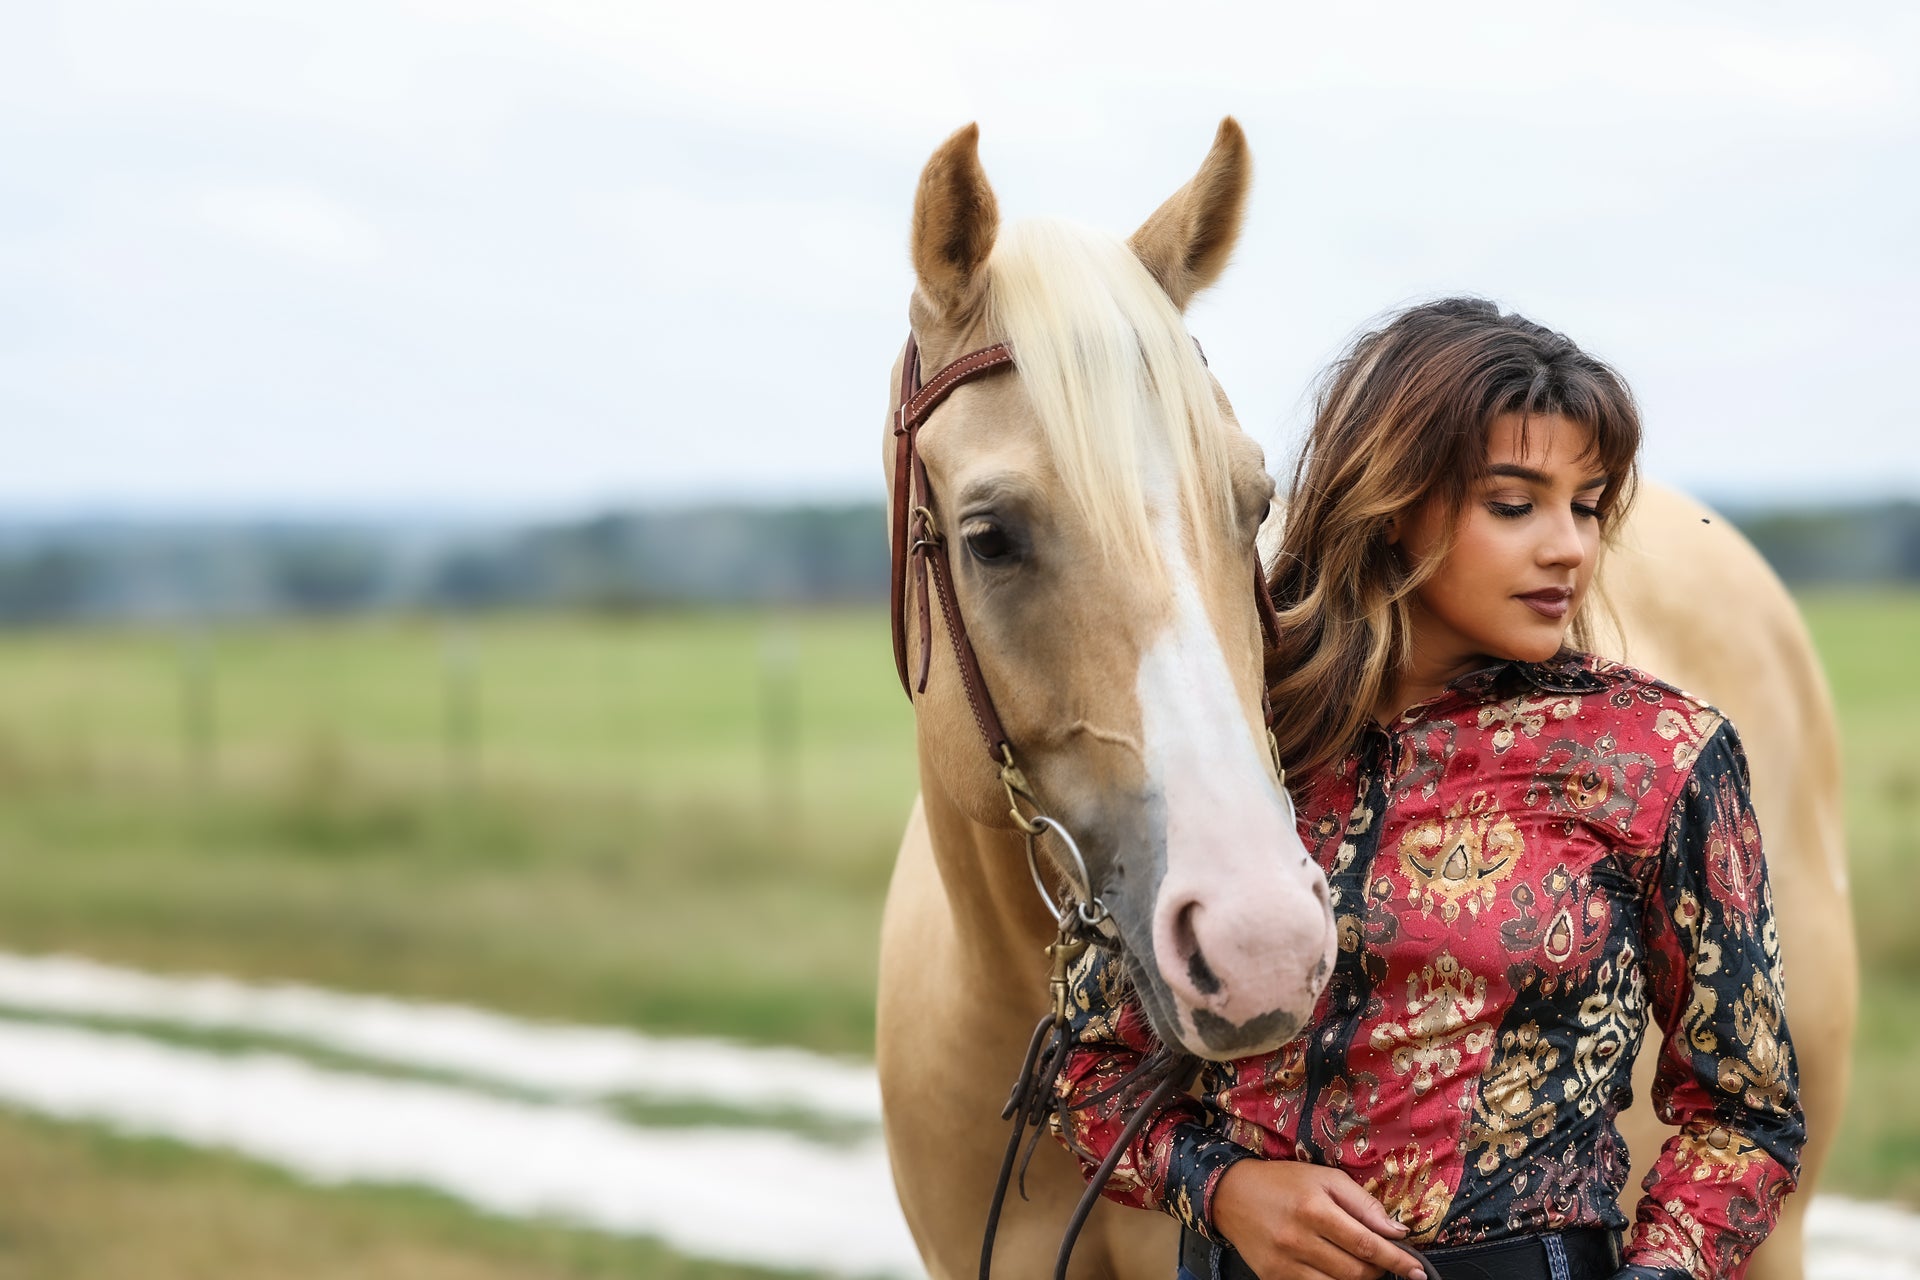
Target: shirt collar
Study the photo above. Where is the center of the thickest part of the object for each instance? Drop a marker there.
(1568, 671)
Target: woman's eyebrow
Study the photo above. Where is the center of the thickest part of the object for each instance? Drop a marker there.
(1515, 471)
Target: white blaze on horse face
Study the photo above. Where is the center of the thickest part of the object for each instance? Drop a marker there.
(1241, 929)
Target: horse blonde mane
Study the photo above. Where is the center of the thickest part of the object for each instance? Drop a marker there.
(1114, 377)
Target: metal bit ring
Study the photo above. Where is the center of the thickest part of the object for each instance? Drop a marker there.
(1091, 910)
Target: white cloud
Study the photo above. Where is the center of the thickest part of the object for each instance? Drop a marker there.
(295, 220)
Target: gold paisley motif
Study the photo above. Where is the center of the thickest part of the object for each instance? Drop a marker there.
(1526, 716)
(1761, 1074)
(1680, 1244)
(1460, 859)
(1509, 1109)
(1613, 1018)
(1444, 1001)
(1559, 940)
(1410, 1193)
(1697, 1022)
(1342, 859)
(1686, 730)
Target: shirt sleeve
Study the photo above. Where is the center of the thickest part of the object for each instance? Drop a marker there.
(1175, 1162)
(1726, 1074)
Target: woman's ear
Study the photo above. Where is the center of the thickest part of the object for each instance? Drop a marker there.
(1393, 531)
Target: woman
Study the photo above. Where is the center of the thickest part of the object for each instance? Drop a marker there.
(1532, 853)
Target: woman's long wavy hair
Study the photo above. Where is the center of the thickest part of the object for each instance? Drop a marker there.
(1402, 420)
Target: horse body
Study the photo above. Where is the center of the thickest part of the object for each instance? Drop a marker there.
(962, 967)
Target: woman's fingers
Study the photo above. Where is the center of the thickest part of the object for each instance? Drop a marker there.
(1353, 1197)
(1321, 1243)
(1375, 1222)
(1375, 1255)
(1333, 1257)
(1292, 1220)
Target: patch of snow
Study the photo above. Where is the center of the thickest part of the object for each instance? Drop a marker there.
(579, 1062)
(1849, 1240)
(749, 1196)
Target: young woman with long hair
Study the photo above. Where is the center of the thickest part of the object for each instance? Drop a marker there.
(1532, 854)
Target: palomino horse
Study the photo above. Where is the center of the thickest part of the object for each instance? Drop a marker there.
(1096, 510)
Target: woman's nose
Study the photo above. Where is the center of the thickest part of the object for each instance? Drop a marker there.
(1563, 544)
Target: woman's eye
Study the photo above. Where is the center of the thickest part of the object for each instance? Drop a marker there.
(1586, 511)
(987, 542)
(1510, 510)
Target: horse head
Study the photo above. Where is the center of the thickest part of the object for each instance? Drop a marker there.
(1096, 506)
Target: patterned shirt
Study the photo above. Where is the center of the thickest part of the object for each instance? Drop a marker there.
(1524, 871)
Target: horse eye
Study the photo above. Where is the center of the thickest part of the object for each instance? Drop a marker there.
(987, 542)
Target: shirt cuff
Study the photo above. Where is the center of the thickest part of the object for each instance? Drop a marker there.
(1199, 1158)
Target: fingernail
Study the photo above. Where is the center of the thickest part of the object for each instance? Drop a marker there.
(1418, 1274)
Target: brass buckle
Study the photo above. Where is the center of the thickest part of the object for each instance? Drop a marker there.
(1017, 790)
(928, 534)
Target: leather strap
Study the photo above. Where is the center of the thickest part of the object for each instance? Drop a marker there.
(917, 542)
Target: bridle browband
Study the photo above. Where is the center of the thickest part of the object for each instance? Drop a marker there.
(920, 552)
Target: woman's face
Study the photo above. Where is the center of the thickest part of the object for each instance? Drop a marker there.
(1523, 550)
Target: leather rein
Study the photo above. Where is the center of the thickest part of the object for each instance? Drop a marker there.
(920, 554)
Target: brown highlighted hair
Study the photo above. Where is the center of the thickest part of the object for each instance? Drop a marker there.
(1402, 420)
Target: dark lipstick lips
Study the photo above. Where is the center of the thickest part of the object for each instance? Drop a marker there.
(1548, 602)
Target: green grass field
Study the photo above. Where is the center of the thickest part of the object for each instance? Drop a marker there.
(684, 823)
(623, 838)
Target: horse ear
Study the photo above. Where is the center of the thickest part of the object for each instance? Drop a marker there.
(1187, 241)
(955, 220)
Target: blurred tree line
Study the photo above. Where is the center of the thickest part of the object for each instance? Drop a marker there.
(1838, 545)
(716, 555)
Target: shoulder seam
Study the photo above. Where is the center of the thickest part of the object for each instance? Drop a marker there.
(1625, 673)
(1684, 777)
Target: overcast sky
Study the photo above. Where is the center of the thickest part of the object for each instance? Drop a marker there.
(477, 256)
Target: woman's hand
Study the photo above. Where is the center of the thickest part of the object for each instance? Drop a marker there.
(1291, 1220)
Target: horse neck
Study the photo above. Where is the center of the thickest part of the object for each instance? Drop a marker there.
(1000, 926)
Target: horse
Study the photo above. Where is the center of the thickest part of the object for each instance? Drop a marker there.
(1092, 518)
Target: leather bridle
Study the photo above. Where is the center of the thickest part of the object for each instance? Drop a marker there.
(926, 553)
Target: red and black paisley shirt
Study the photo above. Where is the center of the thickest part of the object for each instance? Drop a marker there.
(1525, 871)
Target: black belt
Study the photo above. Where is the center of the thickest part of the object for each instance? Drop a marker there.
(1586, 1253)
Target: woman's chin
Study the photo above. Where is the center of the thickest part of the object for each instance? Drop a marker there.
(1535, 646)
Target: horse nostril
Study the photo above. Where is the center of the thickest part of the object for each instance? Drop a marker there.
(1188, 942)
